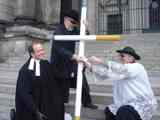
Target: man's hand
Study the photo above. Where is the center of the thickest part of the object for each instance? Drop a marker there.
(95, 60)
(79, 58)
(75, 57)
(40, 116)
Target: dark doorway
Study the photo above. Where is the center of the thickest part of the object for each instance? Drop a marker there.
(115, 24)
(65, 5)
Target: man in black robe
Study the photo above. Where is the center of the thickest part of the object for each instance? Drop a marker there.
(37, 94)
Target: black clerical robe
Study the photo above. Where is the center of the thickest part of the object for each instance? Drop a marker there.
(38, 93)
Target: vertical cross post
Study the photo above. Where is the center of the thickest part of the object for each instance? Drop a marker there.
(80, 65)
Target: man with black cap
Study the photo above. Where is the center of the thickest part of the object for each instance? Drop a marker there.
(65, 59)
(132, 93)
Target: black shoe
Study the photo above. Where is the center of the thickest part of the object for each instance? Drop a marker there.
(91, 106)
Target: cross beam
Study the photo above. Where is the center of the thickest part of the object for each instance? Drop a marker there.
(87, 37)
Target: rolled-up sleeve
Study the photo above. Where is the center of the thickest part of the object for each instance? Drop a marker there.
(120, 71)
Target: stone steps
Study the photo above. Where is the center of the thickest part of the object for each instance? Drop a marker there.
(10, 67)
(102, 98)
(13, 72)
(6, 80)
(11, 75)
(106, 87)
(8, 102)
(91, 114)
(8, 86)
(7, 89)
(4, 112)
(100, 92)
(97, 98)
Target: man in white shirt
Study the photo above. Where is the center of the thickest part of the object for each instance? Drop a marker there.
(132, 93)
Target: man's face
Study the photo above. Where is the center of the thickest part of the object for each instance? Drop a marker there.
(126, 58)
(39, 52)
(70, 23)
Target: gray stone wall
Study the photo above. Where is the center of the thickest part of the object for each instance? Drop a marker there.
(50, 11)
(7, 10)
(13, 47)
(135, 15)
(47, 11)
(91, 16)
(25, 8)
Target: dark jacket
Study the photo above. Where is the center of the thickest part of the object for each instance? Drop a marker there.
(38, 94)
(62, 52)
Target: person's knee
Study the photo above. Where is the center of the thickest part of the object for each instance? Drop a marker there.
(124, 109)
(127, 112)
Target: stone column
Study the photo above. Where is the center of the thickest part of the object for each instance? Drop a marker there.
(25, 8)
(50, 11)
(91, 16)
(2, 52)
(125, 19)
(6, 16)
(145, 14)
(6, 10)
(135, 15)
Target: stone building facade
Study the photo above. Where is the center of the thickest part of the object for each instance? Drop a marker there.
(124, 16)
(24, 20)
(36, 14)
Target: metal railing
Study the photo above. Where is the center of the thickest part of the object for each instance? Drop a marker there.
(127, 16)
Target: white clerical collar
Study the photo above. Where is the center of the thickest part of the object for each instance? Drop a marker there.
(31, 66)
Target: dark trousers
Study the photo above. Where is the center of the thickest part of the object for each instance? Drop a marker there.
(125, 112)
(65, 84)
(86, 98)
